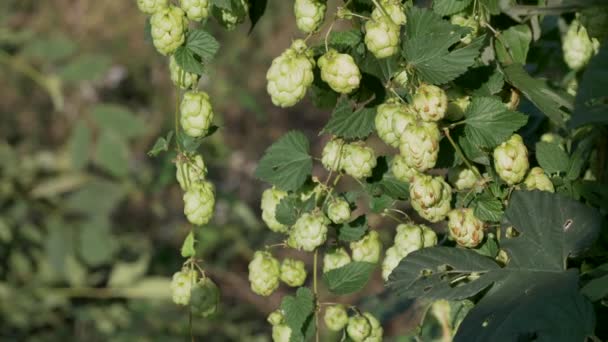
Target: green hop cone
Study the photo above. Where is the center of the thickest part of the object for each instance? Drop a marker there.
(281, 333)
(276, 317)
(340, 71)
(335, 317)
(182, 79)
(152, 6)
(463, 178)
(537, 179)
(401, 170)
(511, 160)
(368, 248)
(390, 261)
(181, 286)
(572, 87)
(309, 232)
(377, 330)
(335, 258)
(293, 272)
(333, 154)
(420, 145)
(394, 9)
(458, 102)
(290, 75)
(196, 113)
(271, 197)
(401, 78)
(264, 272)
(199, 203)
(410, 238)
(392, 117)
(463, 20)
(309, 14)
(578, 47)
(430, 102)
(382, 37)
(358, 328)
(196, 10)
(168, 29)
(205, 297)
(338, 210)
(231, 17)
(465, 228)
(359, 160)
(191, 169)
(430, 197)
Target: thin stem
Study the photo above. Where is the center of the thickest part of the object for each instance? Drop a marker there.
(331, 26)
(315, 291)
(446, 131)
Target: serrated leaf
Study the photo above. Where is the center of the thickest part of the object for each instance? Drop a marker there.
(186, 60)
(489, 247)
(256, 11)
(472, 151)
(537, 92)
(377, 204)
(354, 230)
(513, 44)
(188, 246)
(287, 163)
(292, 207)
(297, 310)
(492, 86)
(203, 44)
(449, 7)
(344, 40)
(591, 103)
(349, 124)
(349, 278)
(551, 157)
(489, 122)
(488, 208)
(161, 145)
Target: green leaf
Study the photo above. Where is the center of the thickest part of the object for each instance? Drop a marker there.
(297, 310)
(426, 47)
(551, 157)
(488, 208)
(79, 145)
(112, 154)
(203, 44)
(349, 278)
(537, 92)
(127, 273)
(119, 120)
(489, 122)
(595, 193)
(186, 60)
(591, 103)
(377, 204)
(349, 124)
(489, 247)
(341, 40)
(97, 245)
(597, 288)
(513, 44)
(493, 6)
(256, 11)
(188, 246)
(384, 182)
(287, 163)
(472, 151)
(354, 230)
(85, 68)
(492, 86)
(449, 7)
(161, 145)
(292, 207)
(51, 49)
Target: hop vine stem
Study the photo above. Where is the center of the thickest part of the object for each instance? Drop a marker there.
(446, 131)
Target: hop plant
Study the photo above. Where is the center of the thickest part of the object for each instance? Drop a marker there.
(368, 248)
(333, 154)
(264, 273)
(578, 47)
(511, 160)
(430, 197)
(281, 333)
(463, 178)
(401, 170)
(152, 6)
(290, 75)
(338, 210)
(359, 160)
(199, 203)
(409, 238)
(430, 102)
(168, 29)
(293, 272)
(458, 102)
(181, 285)
(196, 10)
(390, 262)
(190, 170)
(276, 317)
(271, 197)
(465, 228)
(309, 232)
(377, 331)
(196, 113)
(358, 328)
(205, 297)
(336, 258)
(392, 117)
(394, 9)
(420, 145)
(309, 14)
(181, 78)
(401, 78)
(382, 36)
(537, 179)
(335, 317)
(340, 71)
(463, 20)
(230, 18)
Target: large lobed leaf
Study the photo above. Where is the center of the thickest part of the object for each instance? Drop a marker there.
(349, 278)
(297, 311)
(489, 122)
(348, 123)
